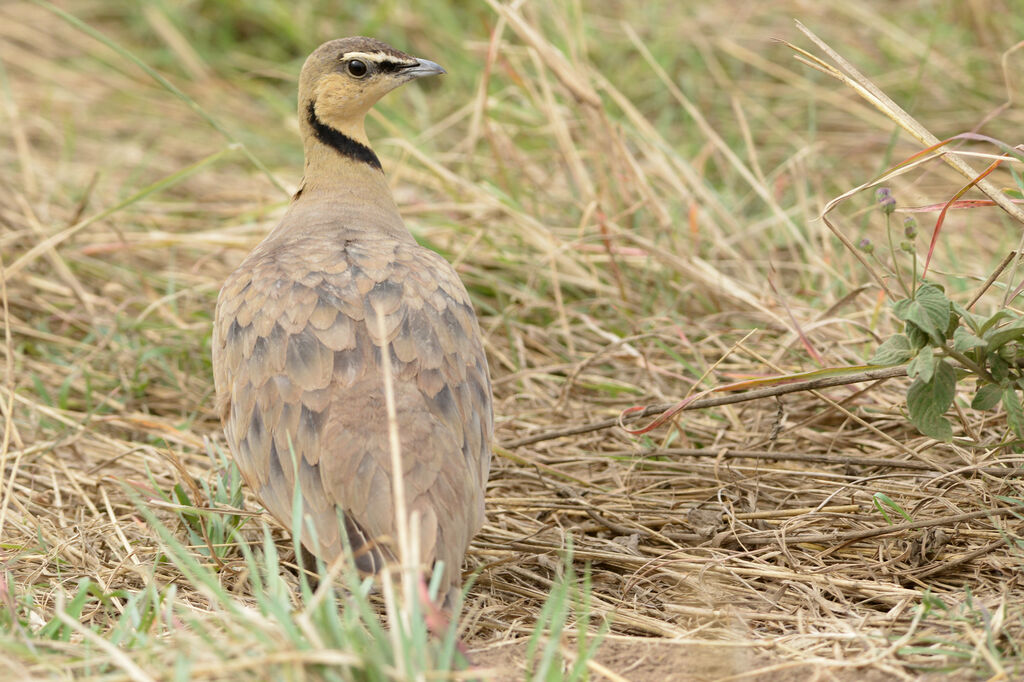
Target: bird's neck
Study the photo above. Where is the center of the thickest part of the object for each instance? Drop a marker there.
(344, 192)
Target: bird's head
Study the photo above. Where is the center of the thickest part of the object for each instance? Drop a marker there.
(343, 78)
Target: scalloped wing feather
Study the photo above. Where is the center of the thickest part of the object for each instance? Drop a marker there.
(298, 372)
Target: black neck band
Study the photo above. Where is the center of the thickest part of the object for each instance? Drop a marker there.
(339, 141)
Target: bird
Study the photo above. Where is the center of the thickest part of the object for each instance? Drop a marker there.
(302, 326)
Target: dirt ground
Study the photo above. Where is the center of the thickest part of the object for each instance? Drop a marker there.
(648, 660)
(743, 540)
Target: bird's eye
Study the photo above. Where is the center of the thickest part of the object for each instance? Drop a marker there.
(357, 68)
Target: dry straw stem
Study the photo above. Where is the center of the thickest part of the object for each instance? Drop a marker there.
(853, 78)
(400, 609)
(665, 410)
(870, 92)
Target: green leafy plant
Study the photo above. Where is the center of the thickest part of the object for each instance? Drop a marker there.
(945, 649)
(943, 343)
(548, 652)
(206, 514)
(885, 504)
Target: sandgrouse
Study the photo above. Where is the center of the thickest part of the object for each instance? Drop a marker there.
(297, 346)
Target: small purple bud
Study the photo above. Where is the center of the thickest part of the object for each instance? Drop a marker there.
(865, 245)
(910, 227)
(885, 200)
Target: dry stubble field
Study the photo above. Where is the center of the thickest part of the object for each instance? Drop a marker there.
(632, 194)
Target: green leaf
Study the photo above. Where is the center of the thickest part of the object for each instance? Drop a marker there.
(918, 339)
(1014, 411)
(999, 337)
(922, 366)
(966, 315)
(952, 325)
(883, 502)
(929, 310)
(895, 350)
(994, 319)
(191, 520)
(998, 368)
(987, 397)
(55, 629)
(964, 340)
(927, 402)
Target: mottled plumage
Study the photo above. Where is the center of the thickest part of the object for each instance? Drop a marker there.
(297, 346)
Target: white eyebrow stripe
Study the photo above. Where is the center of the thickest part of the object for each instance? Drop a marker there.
(378, 58)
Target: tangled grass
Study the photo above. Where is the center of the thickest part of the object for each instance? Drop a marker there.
(632, 195)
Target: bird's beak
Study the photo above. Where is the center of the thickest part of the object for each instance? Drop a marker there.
(424, 67)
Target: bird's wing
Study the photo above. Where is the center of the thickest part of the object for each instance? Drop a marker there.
(297, 362)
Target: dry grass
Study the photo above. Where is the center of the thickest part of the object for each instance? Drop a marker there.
(623, 223)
